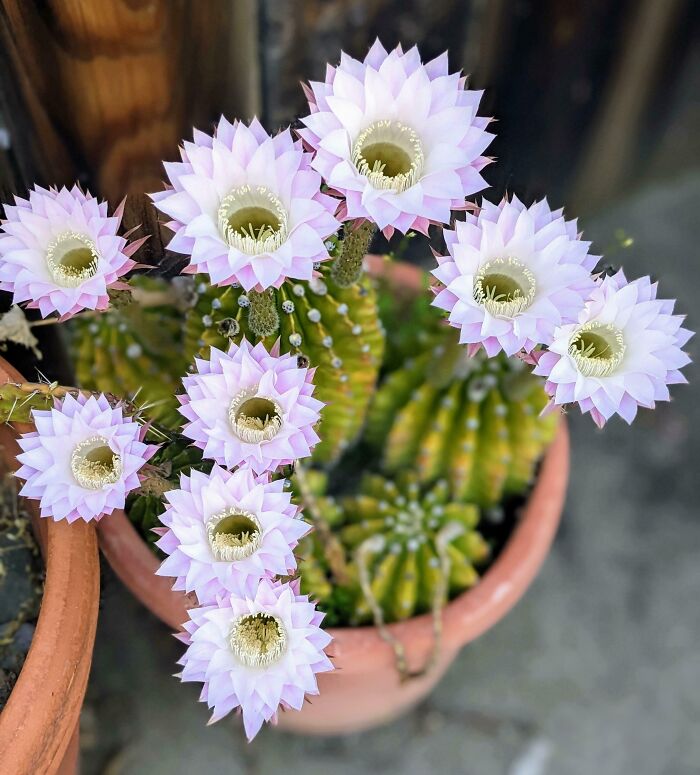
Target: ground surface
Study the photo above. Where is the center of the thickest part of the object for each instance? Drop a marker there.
(596, 671)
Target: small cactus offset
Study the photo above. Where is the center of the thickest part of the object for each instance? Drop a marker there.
(410, 547)
(335, 330)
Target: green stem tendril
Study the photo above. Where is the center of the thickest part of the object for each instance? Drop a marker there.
(375, 545)
(263, 318)
(346, 269)
(332, 547)
(365, 551)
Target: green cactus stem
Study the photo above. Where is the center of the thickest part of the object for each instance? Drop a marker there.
(263, 318)
(346, 269)
(337, 329)
(17, 400)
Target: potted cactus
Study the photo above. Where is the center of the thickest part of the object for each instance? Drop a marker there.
(291, 429)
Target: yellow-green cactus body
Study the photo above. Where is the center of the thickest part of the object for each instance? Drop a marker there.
(337, 329)
(134, 351)
(406, 548)
(473, 421)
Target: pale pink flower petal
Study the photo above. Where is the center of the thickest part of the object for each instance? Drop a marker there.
(258, 653)
(83, 459)
(60, 251)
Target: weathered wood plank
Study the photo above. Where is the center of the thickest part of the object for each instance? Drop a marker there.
(103, 91)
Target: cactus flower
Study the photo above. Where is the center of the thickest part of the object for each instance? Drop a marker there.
(399, 139)
(513, 274)
(250, 406)
(225, 531)
(60, 251)
(622, 352)
(83, 458)
(247, 208)
(257, 653)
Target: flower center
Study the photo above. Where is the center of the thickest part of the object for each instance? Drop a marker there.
(504, 287)
(72, 258)
(597, 349)
(94, 464)
(390, 155)
(258, 640)
(254, 418)
(234, 535)
(253, 220)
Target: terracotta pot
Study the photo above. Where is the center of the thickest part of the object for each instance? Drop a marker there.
(39, 724)
(366, 690)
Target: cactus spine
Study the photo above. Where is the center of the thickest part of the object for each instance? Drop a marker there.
(473, 421)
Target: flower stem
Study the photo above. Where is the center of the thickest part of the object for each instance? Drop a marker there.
(263, 318)
(346, 269)
(332, 548)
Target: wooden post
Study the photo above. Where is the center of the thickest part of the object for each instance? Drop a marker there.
(104, 91)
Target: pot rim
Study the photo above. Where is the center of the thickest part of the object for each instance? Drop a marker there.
(464, 618)
(39, 724)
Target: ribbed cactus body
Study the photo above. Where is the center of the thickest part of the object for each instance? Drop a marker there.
(134, 351)
(410, 547)
(337, 329)
(407, 548)
(473, 421)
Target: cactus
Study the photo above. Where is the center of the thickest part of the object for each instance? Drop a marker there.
(135, 350)
(473, 421)
(337, 329)
(17, 401)
(408, 548)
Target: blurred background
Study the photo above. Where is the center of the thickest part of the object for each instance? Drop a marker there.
(598, 669)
